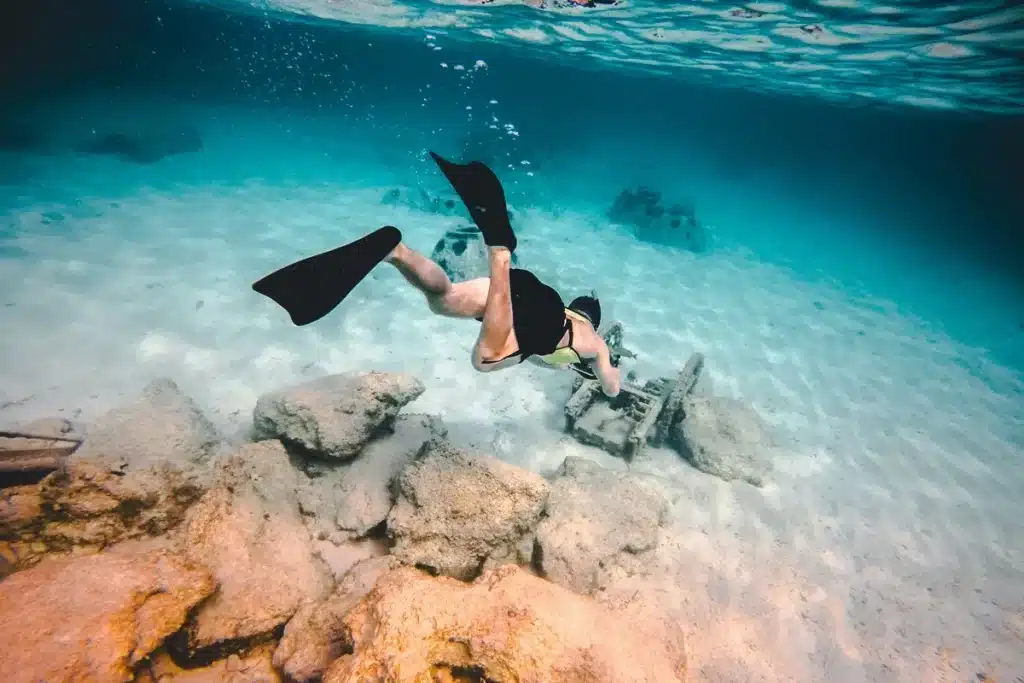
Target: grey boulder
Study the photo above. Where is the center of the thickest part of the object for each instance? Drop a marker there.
(334, 416)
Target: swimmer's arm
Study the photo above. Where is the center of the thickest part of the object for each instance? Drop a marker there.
(607, 373)
(496, 331)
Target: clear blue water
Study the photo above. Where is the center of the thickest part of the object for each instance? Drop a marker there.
(917, 204)
(870, 150)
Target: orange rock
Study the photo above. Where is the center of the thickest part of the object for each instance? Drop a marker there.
(93, 618)
(254, 666)
(507, 627)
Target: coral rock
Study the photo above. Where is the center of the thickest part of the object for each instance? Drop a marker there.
(458, 513)
(507, 627)
(163, 425)
(135, 475)
(247, 529)
(334, 416)
(255, 666)
(600, 525)
(93, 618)
(342, 501)
(315, 635)
(724, 437)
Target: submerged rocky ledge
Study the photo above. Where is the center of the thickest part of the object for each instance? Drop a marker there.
(347, 540)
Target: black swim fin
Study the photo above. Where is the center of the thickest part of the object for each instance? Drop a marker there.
(481, 192)
(313, 287)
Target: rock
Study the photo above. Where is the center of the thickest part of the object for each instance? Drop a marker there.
(163, 425)
(93, 618)
(135, 475)
(458, 512)
(724, 437)
(255, 666)
(334, 416)
(21, 519)
(642, 210)
(507, 627)
(462, 254)
(345, 501)
(341, 557)
(314, 637)
(247, 529)
(21, 511)
(143, 148)
(421, 200)
(599, 525)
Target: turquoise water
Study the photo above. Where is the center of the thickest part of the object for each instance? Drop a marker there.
(854, 168)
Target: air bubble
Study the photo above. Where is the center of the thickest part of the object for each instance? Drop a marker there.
(480, 64)
(493, 102)
(444, 65)
(459, 67)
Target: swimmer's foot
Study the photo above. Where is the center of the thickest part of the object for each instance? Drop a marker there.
(481, 192)
(313, 287)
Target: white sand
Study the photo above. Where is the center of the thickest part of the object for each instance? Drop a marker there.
(886, 546)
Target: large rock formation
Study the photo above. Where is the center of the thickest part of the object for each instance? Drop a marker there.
(507, 627)
(315, 636)
(254, 666)
(94, 618)
(343, 501)
(21, 519)
(599, 525)
(335, 416)
(248, 530)
(136, 474)
(677, 225)
(724, 437)
(458, 513)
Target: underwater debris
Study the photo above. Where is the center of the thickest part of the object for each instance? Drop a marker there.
(716, 435)
(36, 449)
(623, 425)
(641, 209)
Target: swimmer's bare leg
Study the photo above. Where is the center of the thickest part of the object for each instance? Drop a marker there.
(497, 339)
(458, 300)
